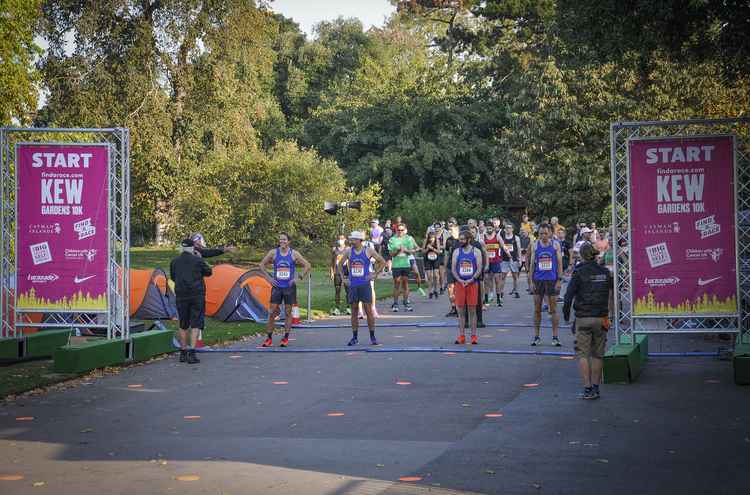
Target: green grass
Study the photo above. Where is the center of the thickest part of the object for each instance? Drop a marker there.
(24, 376)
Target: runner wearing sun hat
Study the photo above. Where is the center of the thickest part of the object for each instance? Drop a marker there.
(585, 239)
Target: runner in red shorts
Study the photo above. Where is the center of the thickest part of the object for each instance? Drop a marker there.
(467, 268)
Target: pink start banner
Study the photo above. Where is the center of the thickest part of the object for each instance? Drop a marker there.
(682, 220)
(62, 226)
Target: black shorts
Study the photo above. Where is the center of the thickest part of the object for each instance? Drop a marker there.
(360, 294)
(449, 276)
(192, 312)
(545, 288)
(441, 259)
(431, 264)
(401, 272)
(286, 295)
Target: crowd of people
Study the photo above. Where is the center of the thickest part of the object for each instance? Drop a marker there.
(470, 263)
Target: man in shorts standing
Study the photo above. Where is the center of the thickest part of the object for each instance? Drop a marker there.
(337, 255)
(467, 266)
(401, 246)
(492, 282)
(510, 246)
(591, 293)
(451, 245)
(187, 271)
(546, 266)
(284, 290)
(358, 258)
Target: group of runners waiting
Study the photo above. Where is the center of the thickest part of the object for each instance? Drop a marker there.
(469, 262)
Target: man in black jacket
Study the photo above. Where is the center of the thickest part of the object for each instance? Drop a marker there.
(187, 271)
(592, 289)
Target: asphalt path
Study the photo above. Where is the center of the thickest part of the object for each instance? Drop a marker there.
(350, 421)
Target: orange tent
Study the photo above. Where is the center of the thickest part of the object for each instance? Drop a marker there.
(235, 294)
(151, 298)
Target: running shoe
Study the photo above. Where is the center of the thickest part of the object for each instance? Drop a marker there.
(421, 291)
(452, 312)
(442, 291)
(284, 342)
(192, 358)
(353, 341)
(481, 324)
(408, 307)
(373, 341)
(267, 343)
(588, 394)
(499, 303)
(556, 342)
(348, 311)
(430, 296)
(545, 307)
(536, 341)
(460, 340)
(474, 340)
(183, 356)
(394, 308)
(516, 295)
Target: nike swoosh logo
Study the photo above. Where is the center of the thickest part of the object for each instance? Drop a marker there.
(706, 282)
(79, 280)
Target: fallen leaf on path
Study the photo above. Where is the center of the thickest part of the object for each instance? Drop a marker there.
(410, 478)
(11, 477)
(38, 483)
(538, 486)
(188, 477)
(603, 461)
(493, 415)
(489, 471)
(87, 430)
(380, 465)
(25, 418)
(135, 385)
(574, 443)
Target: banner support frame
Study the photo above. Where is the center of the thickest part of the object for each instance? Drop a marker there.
(626, 325)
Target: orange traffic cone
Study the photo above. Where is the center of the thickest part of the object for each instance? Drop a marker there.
(295, 314)
(199, 340)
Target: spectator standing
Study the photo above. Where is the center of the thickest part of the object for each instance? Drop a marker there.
(187, 271)
(591, 294)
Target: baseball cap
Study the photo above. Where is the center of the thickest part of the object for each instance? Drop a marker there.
(588, 252)
(375, 221)
(357, 235)
(586, 230)
(187, 243)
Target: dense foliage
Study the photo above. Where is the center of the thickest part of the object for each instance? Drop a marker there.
(241, 125)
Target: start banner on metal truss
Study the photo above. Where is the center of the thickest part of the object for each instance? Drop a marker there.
(682, 221)
(62, 228)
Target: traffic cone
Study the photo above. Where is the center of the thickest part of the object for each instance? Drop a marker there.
(199, 340)
(295, 314)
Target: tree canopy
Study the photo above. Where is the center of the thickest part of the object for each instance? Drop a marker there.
(241, 124)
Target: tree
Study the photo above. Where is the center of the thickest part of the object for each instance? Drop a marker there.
(18, 78)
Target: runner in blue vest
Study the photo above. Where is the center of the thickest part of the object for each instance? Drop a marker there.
(546, 258)
(284, 290)
(358, 257)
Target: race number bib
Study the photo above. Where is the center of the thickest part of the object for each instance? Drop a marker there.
(492, 254)
(358, 270)
(283, 273)
(545, 264)
(509, 247)
(431, 256)
(466, 269)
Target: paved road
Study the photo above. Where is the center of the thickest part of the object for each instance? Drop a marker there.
(265, 422)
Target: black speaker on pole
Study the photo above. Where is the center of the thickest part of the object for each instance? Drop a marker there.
(330, 208)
